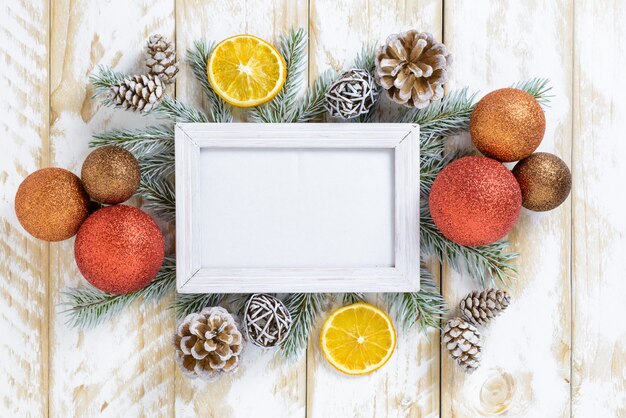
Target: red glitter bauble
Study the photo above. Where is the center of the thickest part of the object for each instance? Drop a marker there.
(475, 201)
(119, 249)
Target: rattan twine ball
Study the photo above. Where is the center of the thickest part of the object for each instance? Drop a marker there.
(110, 174)
(352, 94)
(267, 320)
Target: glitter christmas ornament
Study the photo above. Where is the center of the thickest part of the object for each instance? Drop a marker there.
(110, 174)
(507, 124)
(475, 201)
(545, 181)
(119, 249)
(51, 204)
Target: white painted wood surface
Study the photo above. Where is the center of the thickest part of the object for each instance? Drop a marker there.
(559, 350)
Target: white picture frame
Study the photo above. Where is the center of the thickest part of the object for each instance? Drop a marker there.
(198, 148)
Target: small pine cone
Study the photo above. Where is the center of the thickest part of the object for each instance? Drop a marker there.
(412, 67)
(462, 340)
(267, 320)
(161, 58)
(139, 92)
(480, 307)
(352, 94)
(208, 344)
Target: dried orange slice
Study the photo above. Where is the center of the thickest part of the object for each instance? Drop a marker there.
(358, 339)
(246, 71)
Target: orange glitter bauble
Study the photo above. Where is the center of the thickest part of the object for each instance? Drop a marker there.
(507, 124)
(475, 201)
(51, 204)
(119, 249)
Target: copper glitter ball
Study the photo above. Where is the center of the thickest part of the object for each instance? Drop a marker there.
(51, 204)
(119, 249)
(545, 181)
(507, 124)
(475, 201)
(110, 174)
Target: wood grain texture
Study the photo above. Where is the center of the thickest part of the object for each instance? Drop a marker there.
(23, 259)
(599, 172)
(265, 384)
(526, 366)
(123, 368)
(409, 384)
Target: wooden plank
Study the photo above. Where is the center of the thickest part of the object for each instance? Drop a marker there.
(598, 336)
(24, 286)
(409, 384)
(125, 367)
(526, 366)
(266, 384)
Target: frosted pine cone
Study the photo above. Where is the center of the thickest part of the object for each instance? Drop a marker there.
(208, 344)
(412, 67)
(464, 344)
(480, 307)
(161, 58)
(139, 92)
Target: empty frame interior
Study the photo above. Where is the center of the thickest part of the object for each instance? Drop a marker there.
(296, 208)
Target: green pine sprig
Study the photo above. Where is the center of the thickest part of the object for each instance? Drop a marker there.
(424, 309)
(88, 306)
(198, 58)
(304, 308)
(188, 303)
(158, 195)
(149, 140)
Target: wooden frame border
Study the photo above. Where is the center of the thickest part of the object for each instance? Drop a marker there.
(403, 138)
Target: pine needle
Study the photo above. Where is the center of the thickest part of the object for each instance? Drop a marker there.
(198, 58)
(176, 111)
(304, 309)
(424, 308)
(140, 142)
(89, 306)
(350, 298)
(311, 107)
(102, 81)
(159, 165)
(158, 194)
(187, 303)
(539, 88)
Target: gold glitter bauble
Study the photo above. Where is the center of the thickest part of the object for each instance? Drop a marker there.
(545, 181)
(51, 204)
(110, 174)
(507, 124)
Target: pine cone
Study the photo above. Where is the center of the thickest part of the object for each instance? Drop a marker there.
(139, 92)
(462, 340)
(208, 344)
(352, 94)
(412, 67)
(161, 58)
(267, 320)
(480, 307)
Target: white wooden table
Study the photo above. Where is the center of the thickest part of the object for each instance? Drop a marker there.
(559, 350)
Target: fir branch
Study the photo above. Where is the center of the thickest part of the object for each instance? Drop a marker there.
(424, 308)
(486, 263)
(312, 106)
(159, 196)
(89, 306)
(292, 47)
(539, 88)
(366, 59)
(446, 117)
(159, 165)
(187, 303)
(304, 309)
(102, 81)
(350, 298)
(198, 58)
(138, 141)
(175, 111)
